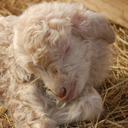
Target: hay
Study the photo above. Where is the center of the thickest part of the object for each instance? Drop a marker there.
(114, 90)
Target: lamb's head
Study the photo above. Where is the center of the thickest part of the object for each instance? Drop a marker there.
(59, 49)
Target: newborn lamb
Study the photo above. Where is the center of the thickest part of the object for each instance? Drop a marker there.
(52, 58)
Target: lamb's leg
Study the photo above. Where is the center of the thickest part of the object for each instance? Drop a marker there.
(91, 104)
(87, 107)
(28, 109)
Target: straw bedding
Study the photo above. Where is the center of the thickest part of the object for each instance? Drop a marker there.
(114, 90)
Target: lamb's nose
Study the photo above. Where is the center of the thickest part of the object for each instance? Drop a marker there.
(63, 92)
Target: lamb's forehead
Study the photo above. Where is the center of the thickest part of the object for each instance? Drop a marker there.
(53, 9)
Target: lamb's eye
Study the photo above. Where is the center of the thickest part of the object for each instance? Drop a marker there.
(66, 53)
(54, 71)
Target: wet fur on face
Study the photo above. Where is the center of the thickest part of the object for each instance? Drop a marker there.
(52, 58)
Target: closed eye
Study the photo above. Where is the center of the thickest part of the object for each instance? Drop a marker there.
(55, 71)
(66, 52)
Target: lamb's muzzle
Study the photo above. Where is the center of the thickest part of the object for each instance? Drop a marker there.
(62, 93)
(68, 93)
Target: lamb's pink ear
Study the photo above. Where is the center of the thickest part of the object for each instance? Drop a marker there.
(93, 25)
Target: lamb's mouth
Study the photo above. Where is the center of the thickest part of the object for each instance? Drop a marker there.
(67, 98)
(70, 95)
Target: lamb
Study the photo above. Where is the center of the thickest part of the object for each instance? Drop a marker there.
(52, 58)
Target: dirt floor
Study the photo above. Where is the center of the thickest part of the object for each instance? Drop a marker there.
(114, 90)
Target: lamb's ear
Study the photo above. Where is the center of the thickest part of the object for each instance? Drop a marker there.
(93, 25)
(24, 60)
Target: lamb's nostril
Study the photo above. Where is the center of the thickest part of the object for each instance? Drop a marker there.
(63, 92)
